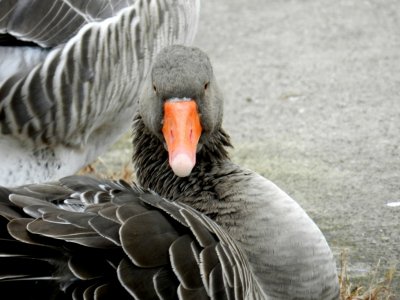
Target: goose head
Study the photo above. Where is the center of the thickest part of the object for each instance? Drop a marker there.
(181, 104)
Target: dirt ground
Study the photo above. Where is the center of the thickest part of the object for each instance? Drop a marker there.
(312, 93)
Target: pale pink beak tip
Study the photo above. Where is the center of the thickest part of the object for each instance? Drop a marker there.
(182, 164)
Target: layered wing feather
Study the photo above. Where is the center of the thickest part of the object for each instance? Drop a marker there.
(98, 238)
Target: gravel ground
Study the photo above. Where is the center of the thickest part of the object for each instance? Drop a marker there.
(312, 101)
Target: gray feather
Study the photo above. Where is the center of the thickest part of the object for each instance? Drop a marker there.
(139, 283)
(128, 210)
(185, 264)
(165, 284)
(106, 228)
(204, 237)
(110, 213)
(89, 267)
(197, 294)
(76, 218)
(146, 231)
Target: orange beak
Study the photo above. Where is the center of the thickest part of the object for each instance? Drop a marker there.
(181, 130)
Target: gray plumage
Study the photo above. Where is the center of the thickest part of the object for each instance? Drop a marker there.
(224, 232)
(114, 239)
(286, 249)
(64, 101)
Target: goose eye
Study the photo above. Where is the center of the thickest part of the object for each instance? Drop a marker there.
(206, 85)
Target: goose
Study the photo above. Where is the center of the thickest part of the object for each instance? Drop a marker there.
(70, 76)
(194, 225)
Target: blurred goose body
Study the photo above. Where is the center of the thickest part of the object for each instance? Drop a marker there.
(199, 227)
(70, 74)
